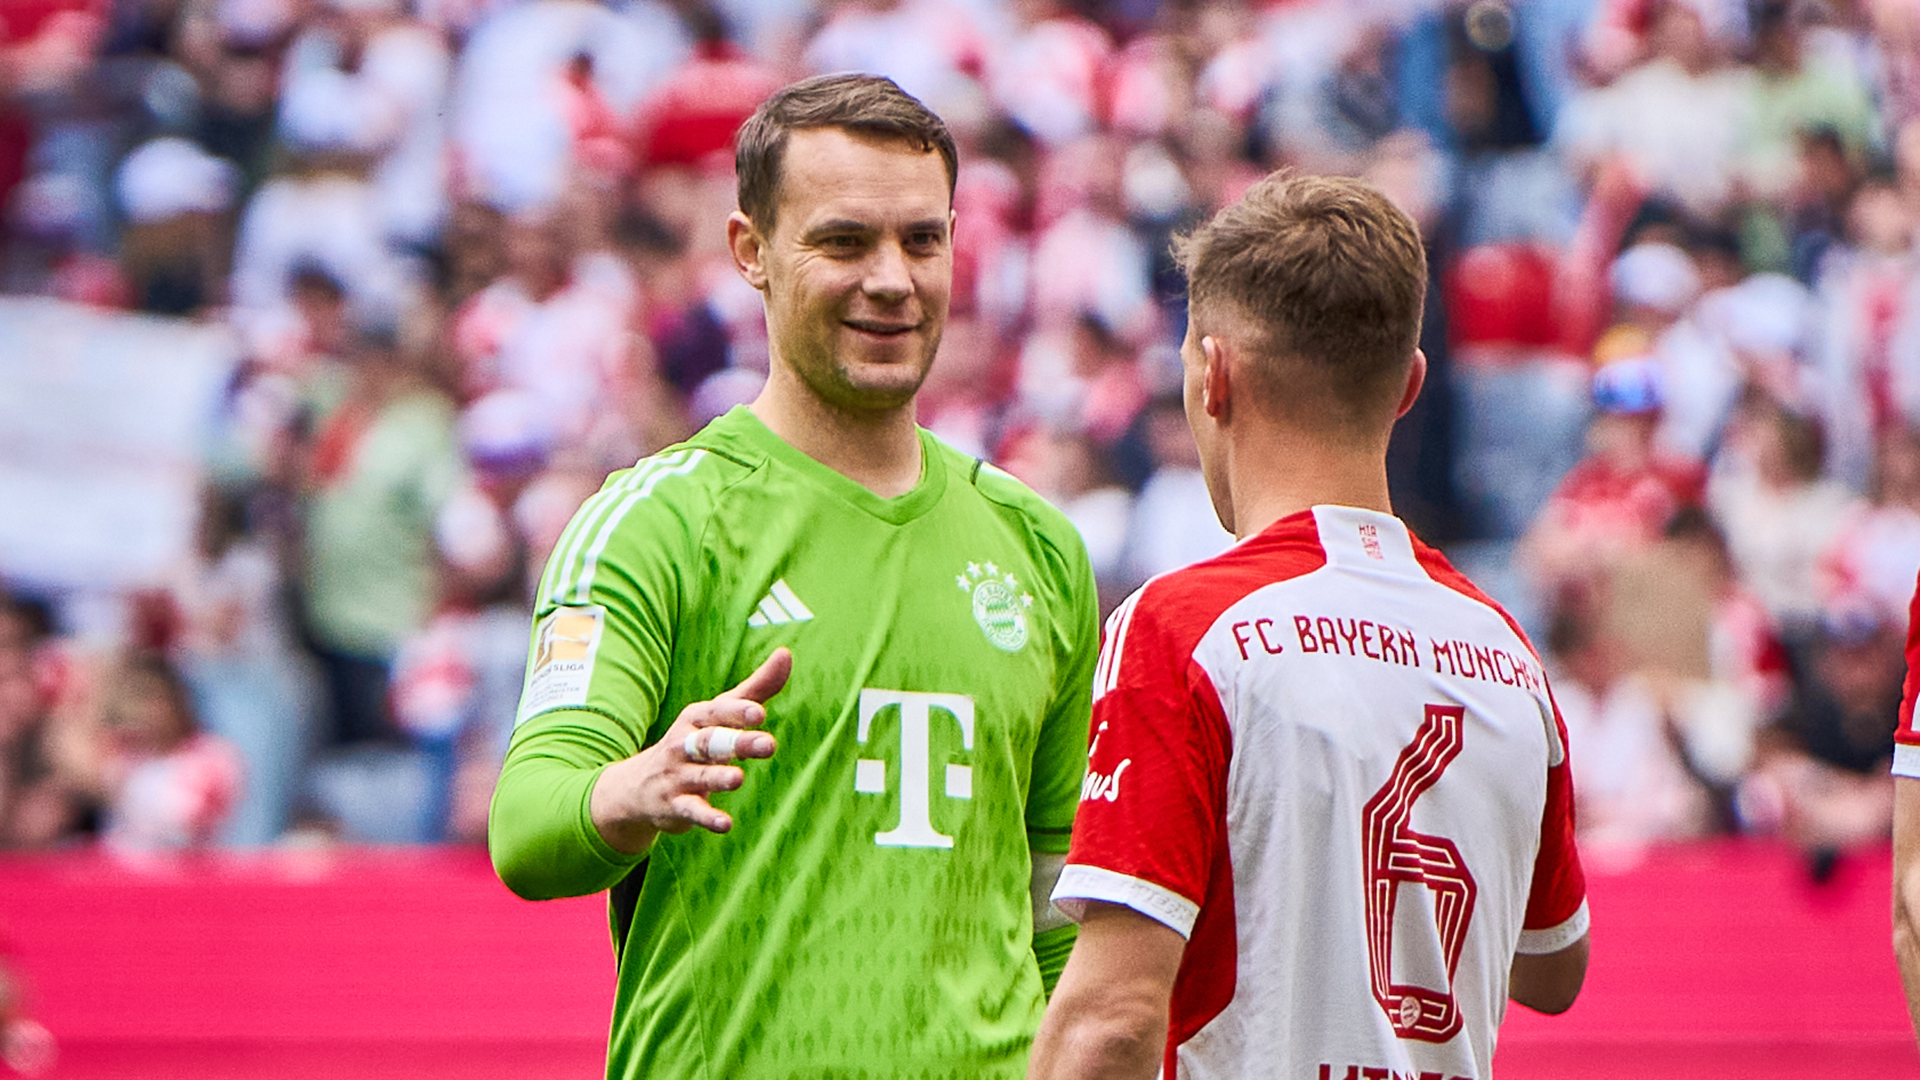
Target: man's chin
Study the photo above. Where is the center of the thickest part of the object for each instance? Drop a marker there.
(880, 385)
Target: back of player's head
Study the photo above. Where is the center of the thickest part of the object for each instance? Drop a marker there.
(868, 104)
(1323, 280)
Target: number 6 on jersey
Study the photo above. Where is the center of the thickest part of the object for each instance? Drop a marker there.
(1397, 855)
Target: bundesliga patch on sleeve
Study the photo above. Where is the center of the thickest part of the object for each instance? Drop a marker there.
(564, 645)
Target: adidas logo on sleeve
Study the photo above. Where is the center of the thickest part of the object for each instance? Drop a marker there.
(779, 606)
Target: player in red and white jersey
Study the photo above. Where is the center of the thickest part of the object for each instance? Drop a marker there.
(1906, 823)
(1327, 826)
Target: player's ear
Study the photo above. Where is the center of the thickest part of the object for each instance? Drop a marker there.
(748, 249)
(1216, 376)
(1416, 378)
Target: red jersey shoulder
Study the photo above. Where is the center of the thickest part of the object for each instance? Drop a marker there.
(1443, 572)
(1163, 622)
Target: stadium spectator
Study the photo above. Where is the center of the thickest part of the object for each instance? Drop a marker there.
(384, 77)
(1630, 776)
(1876, 550)
(1524, 399)
(1823, 775)
(1865, 380)
(175, 248)
(1779, 514)
(558, 328)
(36, 806)
(238, 656)
(1676, 116)
(456, 683)
(382, 462)
(320, 211)
(1619, 497)
(162, 783)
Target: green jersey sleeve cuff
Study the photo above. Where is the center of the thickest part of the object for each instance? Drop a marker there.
(590, 836)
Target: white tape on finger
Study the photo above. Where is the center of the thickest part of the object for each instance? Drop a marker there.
(721, 744)
(716, 749)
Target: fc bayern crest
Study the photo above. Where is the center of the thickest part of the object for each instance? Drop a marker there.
(999, 605)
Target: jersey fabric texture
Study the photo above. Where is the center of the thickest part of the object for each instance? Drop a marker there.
(1335, 767)
(870, 913)
(1906, 738)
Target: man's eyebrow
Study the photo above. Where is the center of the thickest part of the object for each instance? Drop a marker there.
(839, 225)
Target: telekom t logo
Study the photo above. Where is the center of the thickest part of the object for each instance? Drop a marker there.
(916, 762)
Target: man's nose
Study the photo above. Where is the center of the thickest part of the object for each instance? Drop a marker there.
(887, 277)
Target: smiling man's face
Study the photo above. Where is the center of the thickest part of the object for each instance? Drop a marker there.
(858, 268)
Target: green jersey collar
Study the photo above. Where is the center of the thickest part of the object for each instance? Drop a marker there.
(740, 427)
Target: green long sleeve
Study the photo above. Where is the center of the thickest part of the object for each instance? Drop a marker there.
(539, 830)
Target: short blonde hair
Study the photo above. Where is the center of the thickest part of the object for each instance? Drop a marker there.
(1329, 278)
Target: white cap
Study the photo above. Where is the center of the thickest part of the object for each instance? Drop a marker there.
(165, 178)
(1657, 276)
(321, 110)
(1765, 315)
(471, 532)
(506, 430)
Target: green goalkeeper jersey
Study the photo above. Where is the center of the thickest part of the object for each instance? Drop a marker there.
(869, 914)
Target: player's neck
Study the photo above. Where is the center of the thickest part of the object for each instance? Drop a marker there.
(879, 451)
(1276, 473)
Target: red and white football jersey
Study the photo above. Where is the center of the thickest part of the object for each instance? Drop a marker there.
(1906, 737)
(1334, 766)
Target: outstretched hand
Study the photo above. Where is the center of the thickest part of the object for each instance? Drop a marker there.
(664, 788)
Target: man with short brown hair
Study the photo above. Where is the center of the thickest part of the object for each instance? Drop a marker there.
(1329, 287)
(1327, 826)
(916, 629)
(858, 104)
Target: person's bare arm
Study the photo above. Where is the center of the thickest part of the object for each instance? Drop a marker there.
(1108, 1017)
(1906, 889)
(1549, 982)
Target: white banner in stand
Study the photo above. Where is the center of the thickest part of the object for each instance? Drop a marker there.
(105, 419)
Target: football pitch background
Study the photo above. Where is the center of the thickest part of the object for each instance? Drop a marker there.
(1710, 961)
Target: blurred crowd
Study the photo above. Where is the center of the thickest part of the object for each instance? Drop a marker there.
(472, 255)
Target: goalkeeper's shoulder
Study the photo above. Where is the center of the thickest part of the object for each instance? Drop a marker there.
(1054, 539)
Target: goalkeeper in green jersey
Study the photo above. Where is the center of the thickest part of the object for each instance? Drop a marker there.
(809, 692)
